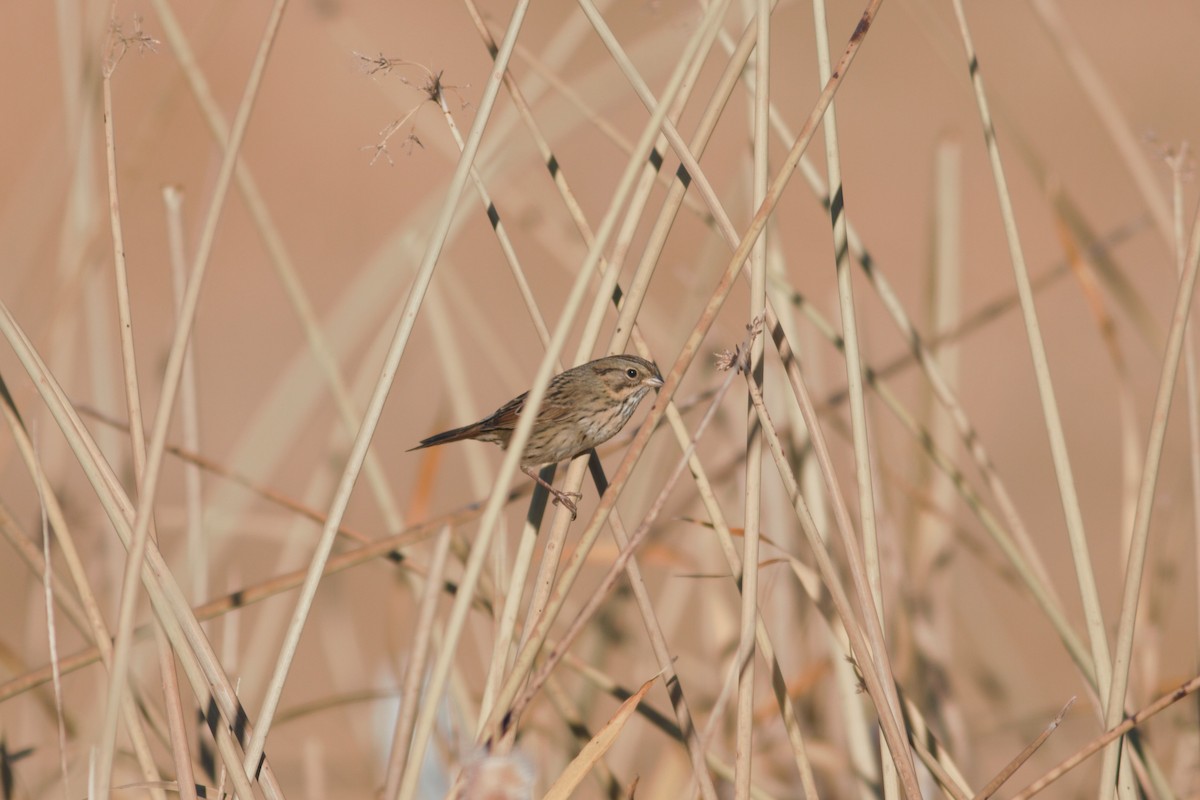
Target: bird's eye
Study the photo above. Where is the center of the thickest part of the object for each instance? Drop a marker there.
(631, 373)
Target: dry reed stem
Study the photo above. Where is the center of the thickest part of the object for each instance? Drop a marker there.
(1115, 708)
(1076, 534)
(744, 661)
(171, 378)
(133, 407)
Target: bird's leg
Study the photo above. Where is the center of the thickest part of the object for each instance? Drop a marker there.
(560, 497)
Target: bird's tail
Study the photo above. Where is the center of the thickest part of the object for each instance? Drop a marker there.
(452, 435)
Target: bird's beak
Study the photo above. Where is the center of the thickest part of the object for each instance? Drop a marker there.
(653, 381)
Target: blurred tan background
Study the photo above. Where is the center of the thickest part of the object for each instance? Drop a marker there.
(355, 223)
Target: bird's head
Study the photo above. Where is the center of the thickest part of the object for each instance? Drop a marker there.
(627, 377)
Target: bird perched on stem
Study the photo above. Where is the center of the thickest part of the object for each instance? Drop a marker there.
(583, 408)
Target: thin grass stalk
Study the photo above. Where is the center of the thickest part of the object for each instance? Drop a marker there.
(1178, 164)
(410, 694)
(505, 645)
(502, 238)
(189, 407)
(719, 710)
(854, 365)
(932, 545)
(133, 406)
(1145, 507)
(47, 577)
(285, 269)
(659, 720)
(1000, 535)
(1041, 591)
(595, 118)
(631, 302)
(766, 648)
(740, 54)
(744, 660)
(162, 419)
(1058, 446)
(76, 28)
(933, 754)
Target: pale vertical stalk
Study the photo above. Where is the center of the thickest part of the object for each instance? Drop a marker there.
(52, 640)
(1179, 165)
(170, 387)
(129, 591)
(932, 543)
(858, 412)
(410, 693)
(174, 368)
(744, 661)
(1058, 446)
(858, 730)
(1145, 506)
(189, 406)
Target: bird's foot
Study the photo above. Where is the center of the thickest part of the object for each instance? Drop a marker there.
(567, 501)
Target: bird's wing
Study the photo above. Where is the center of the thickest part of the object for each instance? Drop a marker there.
(506, 417)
